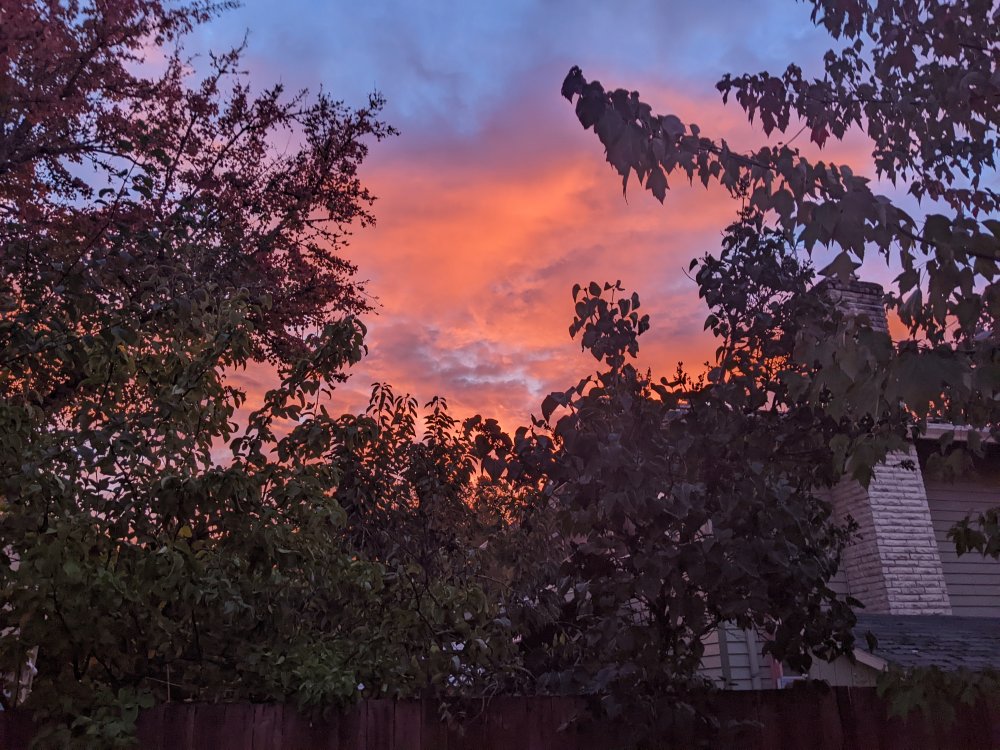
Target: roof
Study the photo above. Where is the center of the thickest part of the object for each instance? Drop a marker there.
(943, 641)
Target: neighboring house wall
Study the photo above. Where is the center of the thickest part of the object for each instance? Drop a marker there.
(734, 661)
(843, 672)
(711, 660)
(901, 562)
(973, 581)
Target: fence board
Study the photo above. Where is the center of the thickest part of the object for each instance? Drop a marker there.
(16, 730)
(303, 732)
(506, 718)
(239, 721)
(738, 720)
(150, 728)
(433, 732)
(264, 728)
(534, 738)
(178, 726)
(471, 734)
(406, 725)
(380, 713)
(352, 728)
(852, 730)
(835, 719)
(208, 727)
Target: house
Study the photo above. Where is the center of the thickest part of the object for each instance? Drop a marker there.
(925, 605)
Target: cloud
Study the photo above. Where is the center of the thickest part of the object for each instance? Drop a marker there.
(479, 241)
(493, 201)
(454, 65)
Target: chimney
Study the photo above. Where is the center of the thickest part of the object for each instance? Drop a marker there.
(858, 298)
(894, 567)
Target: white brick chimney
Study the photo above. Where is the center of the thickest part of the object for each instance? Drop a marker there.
(894, 567)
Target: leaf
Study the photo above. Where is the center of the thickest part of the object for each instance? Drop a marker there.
(672, 126)
(657, 183)
(610, 128)
(573, 83)
(783, 202)
(549, 404)
(589, 109)
(842, 266)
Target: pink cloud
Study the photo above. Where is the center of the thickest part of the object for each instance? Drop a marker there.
(479, 243)
(481, 237)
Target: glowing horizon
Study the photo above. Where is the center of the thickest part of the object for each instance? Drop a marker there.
(493, 201)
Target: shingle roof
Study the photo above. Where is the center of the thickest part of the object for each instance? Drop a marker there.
(943, 641)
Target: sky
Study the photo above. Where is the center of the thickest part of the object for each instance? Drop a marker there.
(493, 201)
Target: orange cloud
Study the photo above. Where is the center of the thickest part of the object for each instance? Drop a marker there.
(481, 237)
(479, 243)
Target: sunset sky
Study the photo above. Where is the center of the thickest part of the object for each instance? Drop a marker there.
(493, 201)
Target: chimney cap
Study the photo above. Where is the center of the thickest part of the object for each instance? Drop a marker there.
(835, 283)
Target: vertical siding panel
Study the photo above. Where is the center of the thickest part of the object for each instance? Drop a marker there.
(973, 581)
(711, 659)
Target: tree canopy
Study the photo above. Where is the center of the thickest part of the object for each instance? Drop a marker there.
(109, 171)
(157, 545)
(921, 80)
(682, 505)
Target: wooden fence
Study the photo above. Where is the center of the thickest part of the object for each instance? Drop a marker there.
(789, 719)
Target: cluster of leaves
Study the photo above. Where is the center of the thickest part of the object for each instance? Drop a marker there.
(921, 80)
(936, 693)
(151, 547)
(108, 170)
(676, 506)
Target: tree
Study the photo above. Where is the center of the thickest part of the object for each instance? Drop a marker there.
(922, 81)
(151, 548)
(107, 172)
(672, 507)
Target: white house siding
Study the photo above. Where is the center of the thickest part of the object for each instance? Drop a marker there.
(973, 581)
(735, 662)
(843, 672)
(711, 660)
